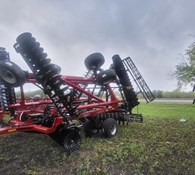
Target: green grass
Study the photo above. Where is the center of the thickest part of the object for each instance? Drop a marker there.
(160, 145)
(165, 110)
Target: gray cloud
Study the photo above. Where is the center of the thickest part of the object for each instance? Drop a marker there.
(152, 32)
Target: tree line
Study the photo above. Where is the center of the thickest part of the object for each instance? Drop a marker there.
(173, 94)
(157, 93)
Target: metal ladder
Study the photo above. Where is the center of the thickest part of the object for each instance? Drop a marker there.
(137, 77)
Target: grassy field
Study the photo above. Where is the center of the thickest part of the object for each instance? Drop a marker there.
(160, 145)
(166, 110)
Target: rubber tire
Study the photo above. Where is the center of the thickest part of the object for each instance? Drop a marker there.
(94, 61)
(11, 74)
(105, 77)
(24, 117)
(110, 127)
(89, 128)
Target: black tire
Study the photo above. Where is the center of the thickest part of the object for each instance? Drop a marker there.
(48, 121)
(105, 77)
(24, 117)
(127, 87)
(87, 128)
(90, 129)
(110, 127)
(11, 74)
(94, 61)
(70, 141)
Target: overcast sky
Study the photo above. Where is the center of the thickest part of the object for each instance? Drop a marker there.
(152, 32)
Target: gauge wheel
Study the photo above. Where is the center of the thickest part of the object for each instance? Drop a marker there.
(105, 77)
(94, 61)
(110, 127)
(89, 129)
(11, 74)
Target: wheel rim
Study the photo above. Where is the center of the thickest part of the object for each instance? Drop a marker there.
(113, 129)
(8, 76)
(95, 131)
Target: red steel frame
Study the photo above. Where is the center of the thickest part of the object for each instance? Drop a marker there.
(32, 108)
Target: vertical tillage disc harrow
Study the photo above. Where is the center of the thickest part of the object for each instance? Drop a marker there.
(48, 75)
(91, 102)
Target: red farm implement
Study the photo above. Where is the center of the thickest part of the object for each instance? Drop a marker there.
(94, 102)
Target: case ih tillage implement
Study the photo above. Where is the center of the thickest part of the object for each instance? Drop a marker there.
(94, 102)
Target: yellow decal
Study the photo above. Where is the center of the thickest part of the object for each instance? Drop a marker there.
(11, 130)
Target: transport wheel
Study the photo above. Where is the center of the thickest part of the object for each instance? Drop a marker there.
(47, 121)
(71, 141)
(105, 77)
(90, 129)
(94, 61)
(11, 74)
(110, 127)
(23, 117)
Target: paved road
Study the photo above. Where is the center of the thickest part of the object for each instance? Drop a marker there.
(176, 101)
